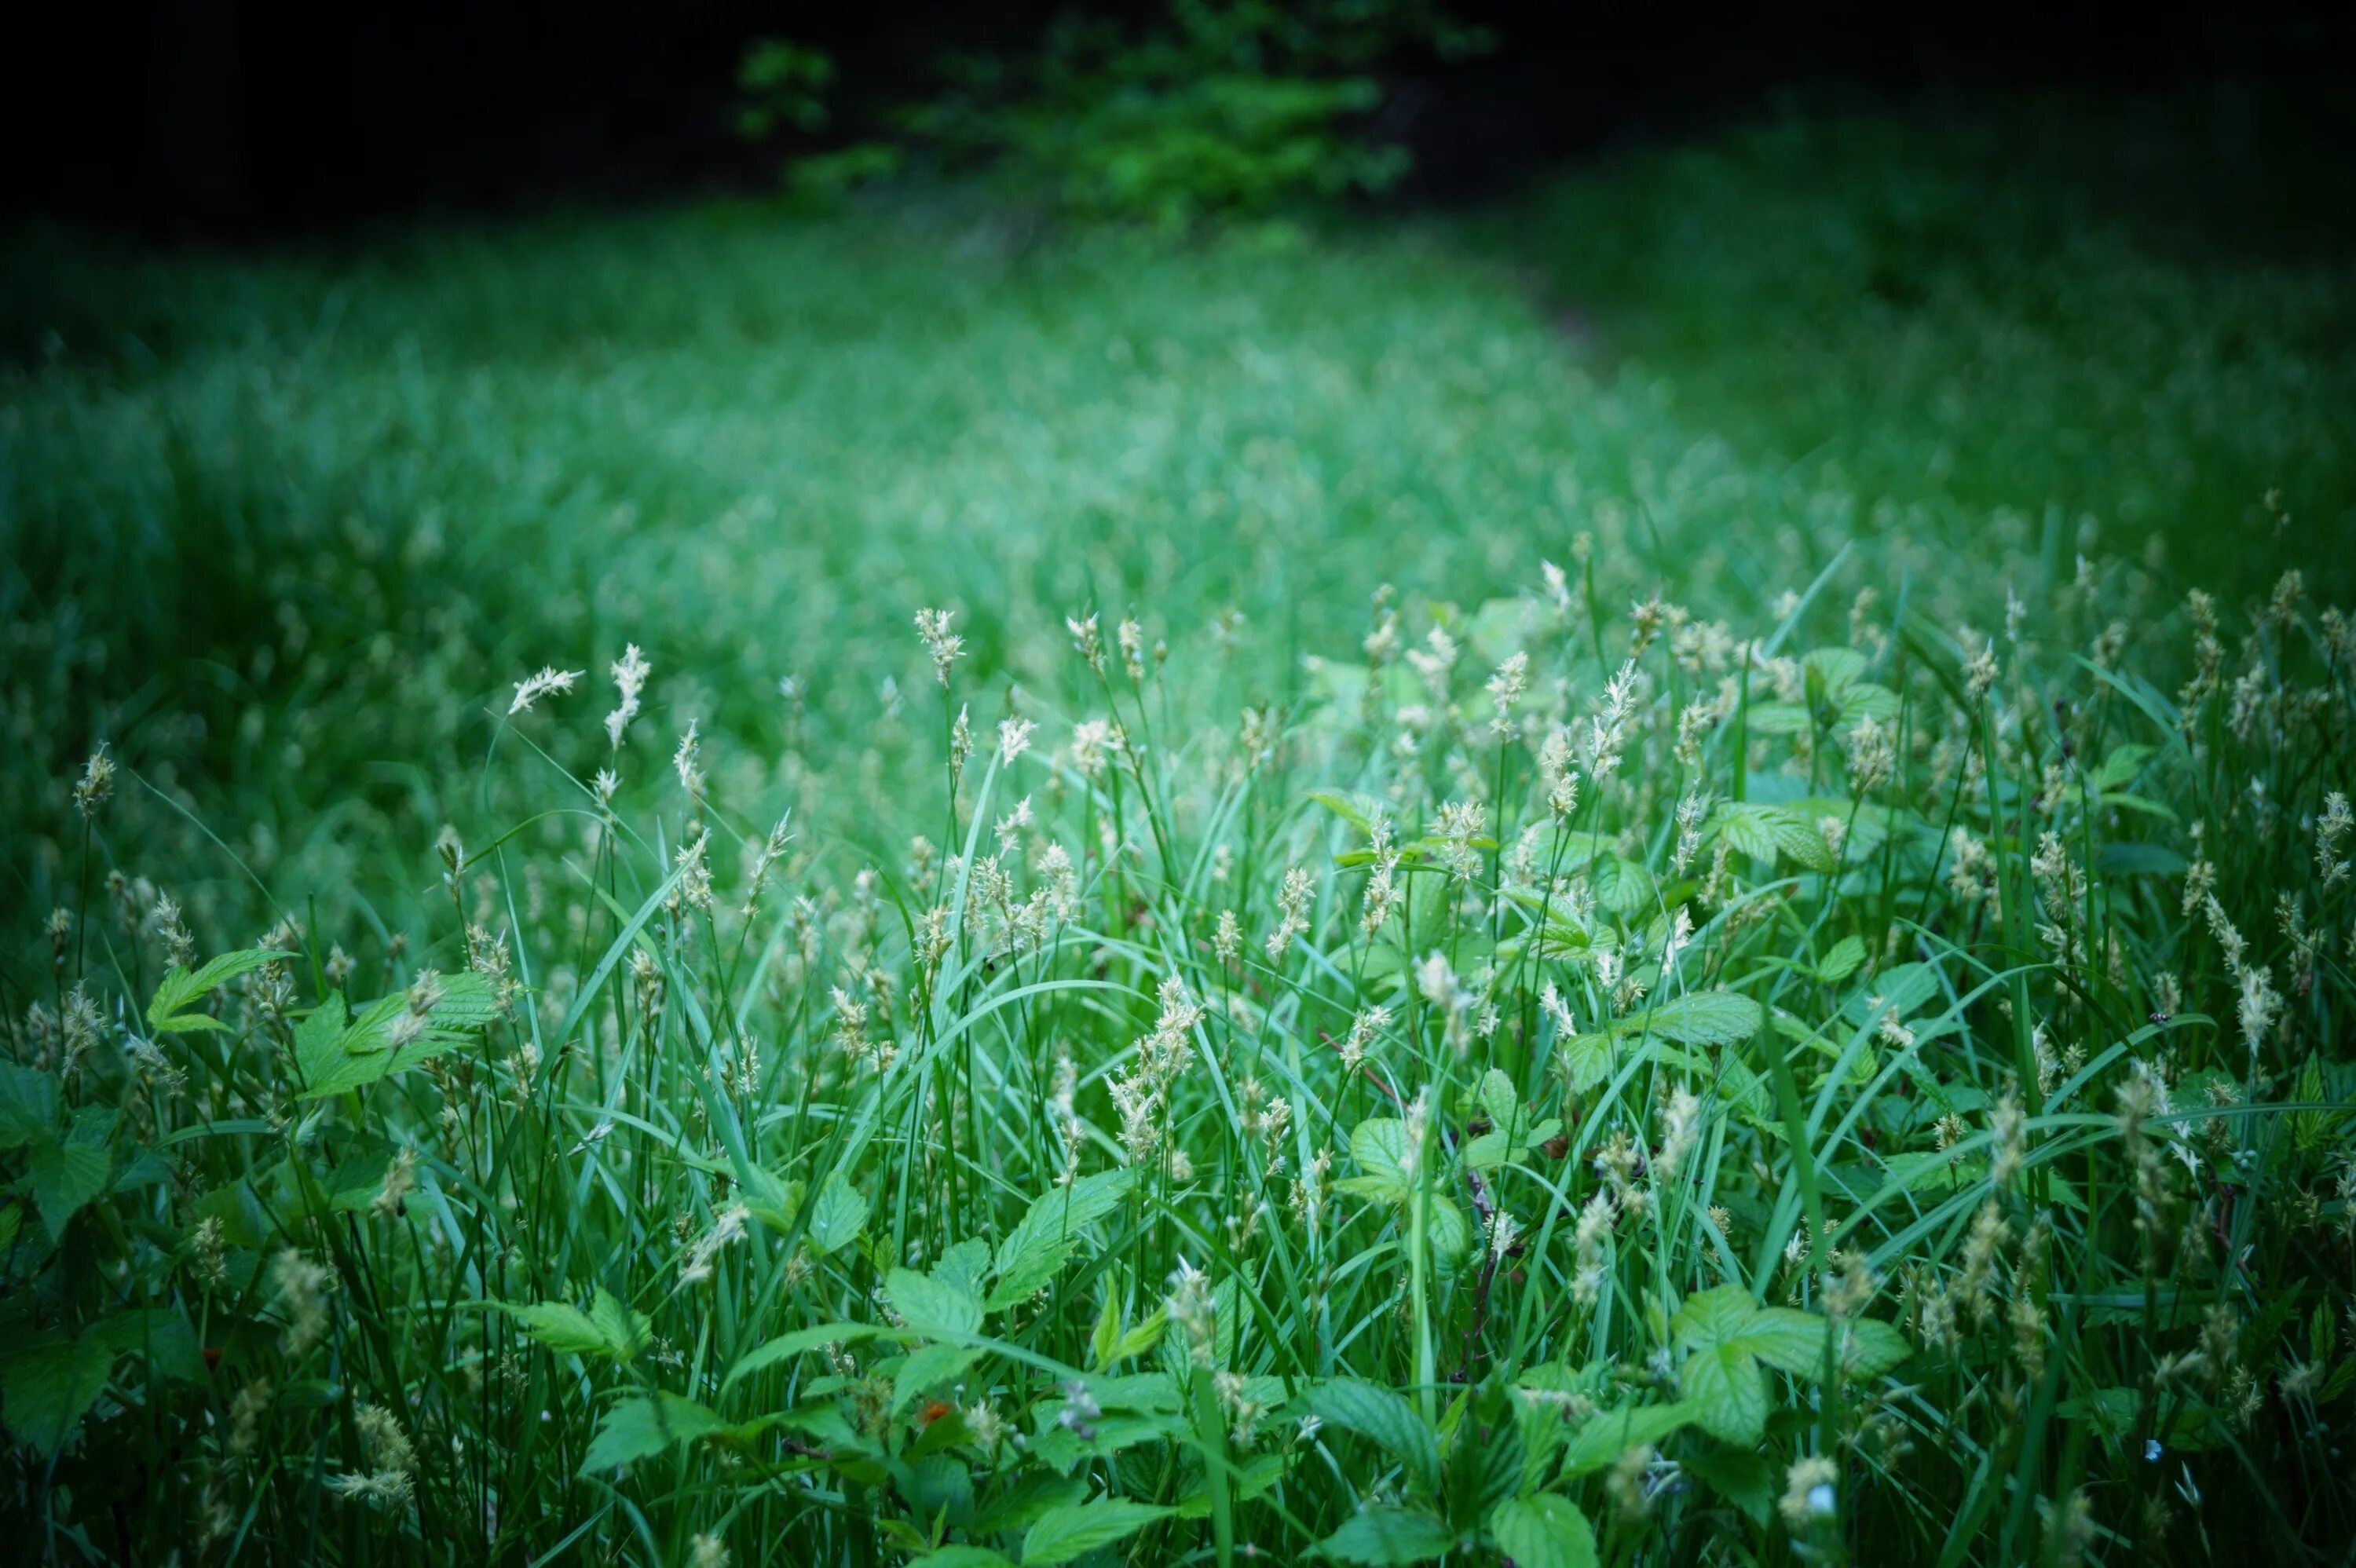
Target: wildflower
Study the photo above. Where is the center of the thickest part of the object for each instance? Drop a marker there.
(399, 1179)
(1086, 639)
(1194, 1311)
(694, 874)
(1229, 938)
(1363, 1030)
(1013, 738)
(727, 1227)
(2330, 829)
(1871, 757)
(1808, 1494)
(944, 647)
(707, 1552)
(1131, 638)
(1589, 1240)
(96, 786)
(549, 682)
(301, 1287)
(691, 775)
(1505, 688)
(1094, 741)
(1292, 910)
(1681, 1124)
(390, 1477)
(630, 673)
(773, 849)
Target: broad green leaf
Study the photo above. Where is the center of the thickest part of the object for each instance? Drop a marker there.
(1604, 1437)
(932, 1307)
(1585, 1060)
(928, 1366)
(1383, 1536)
(361, 1052)
(1379, 1147)
(1499, 1098)
(64, 1178)
(161, 1336)
(1544, 1532)
(1842, 962)
(1700, 1017)
(1742, 1477)
(641, 1426)
(1385, 1419)
(562, 1327)
(28, 1106)
(786, 1346)
(1049, 1232)
(625, 1330)
(1064, 1533)
(838, 1217)
(48, 1383)
(180, 990)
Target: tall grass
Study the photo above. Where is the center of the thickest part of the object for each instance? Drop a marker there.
(1693, 1023)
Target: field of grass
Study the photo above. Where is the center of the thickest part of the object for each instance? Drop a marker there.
(1660, 877)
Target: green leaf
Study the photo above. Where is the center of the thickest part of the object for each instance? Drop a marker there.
(1384, 1536)
(625, 1332)
(935, 1308)
(1742, 1477)
(928, 1366)
(28, 1106)
(1544, 1532)
(1049, 1232)
(1379, 1147)
(360, 1053)
(1499, 1099)
(48, 1383)
(1585, 1060)
(161, 1336)
(838, 1217)
(1604, 1437)
(1700, 1017)
(1385, 1419)
(609, 1328)
(64, 1177)
(641, 1427)
(180, 990)
(961, 1556)
(1063, 1533)
(786, 1346)
(1843, 961)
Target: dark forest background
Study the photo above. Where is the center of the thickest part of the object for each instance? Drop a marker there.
(233, 117)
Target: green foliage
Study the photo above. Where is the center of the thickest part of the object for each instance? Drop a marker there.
(1575, 1057)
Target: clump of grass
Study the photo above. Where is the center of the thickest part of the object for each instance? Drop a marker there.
(1568, 1086)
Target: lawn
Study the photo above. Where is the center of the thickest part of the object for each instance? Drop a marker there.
(1570, 882)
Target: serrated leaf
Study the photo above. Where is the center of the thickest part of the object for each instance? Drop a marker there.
(180, 990)
(1700, 1017)
(641, 1427)
(1063, 1533)
(1544, 1532)
(786, 1346)
(1385, 1419)
(1382, 1537)
(28, 1106)
(928, 1366)
(1843, 961)
(1380, 1147)
(1585, 1060)
(361, 1053)
(562, 1327)
(1739, 1476)
(838, 1217)
(1604, 1437)
(48, 1383)
(1499, 1099)
(625, 1330)
(933, 1307)
(65, 1177)
(1050, 1230)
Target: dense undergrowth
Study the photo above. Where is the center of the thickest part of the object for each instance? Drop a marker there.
(1426, 962)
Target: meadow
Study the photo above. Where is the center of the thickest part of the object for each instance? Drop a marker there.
(1659, 875)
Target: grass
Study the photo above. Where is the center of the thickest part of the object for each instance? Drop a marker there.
(1669, 943)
